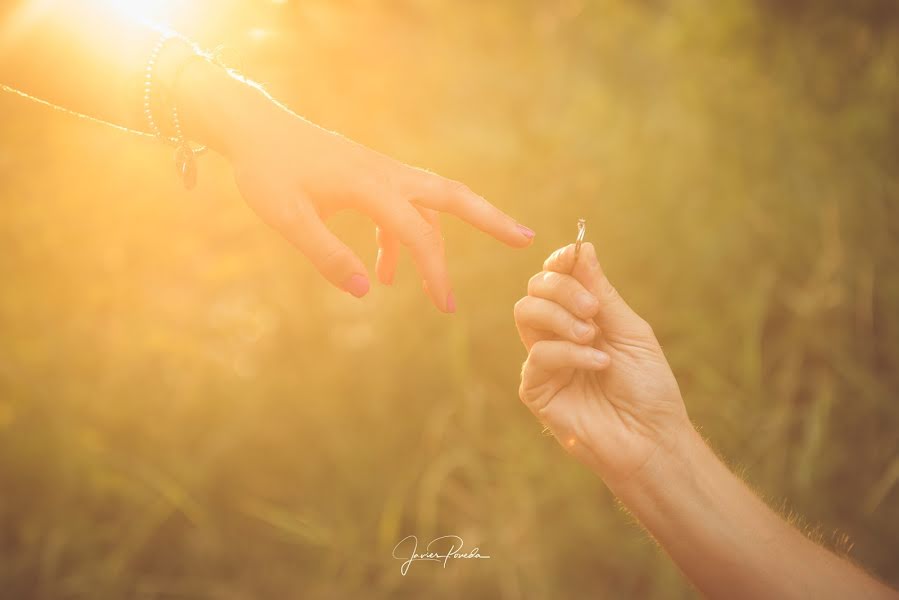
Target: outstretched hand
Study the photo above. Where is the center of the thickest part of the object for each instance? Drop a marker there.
(595, 373)
(295, 174)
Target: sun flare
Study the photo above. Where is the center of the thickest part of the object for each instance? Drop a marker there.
(153, 10)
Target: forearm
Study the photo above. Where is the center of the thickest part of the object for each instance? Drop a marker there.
(85, 57)
(726, 540)
(77, 54)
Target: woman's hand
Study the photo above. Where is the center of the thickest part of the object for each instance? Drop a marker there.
(295, 174)
(595, 374)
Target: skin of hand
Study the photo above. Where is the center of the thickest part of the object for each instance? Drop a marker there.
(597, 377)
(292, 173)
(295, 175)
(595, 374)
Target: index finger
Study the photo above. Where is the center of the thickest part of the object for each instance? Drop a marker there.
(456, 198)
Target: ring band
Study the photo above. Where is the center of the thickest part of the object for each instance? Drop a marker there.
(581, 232)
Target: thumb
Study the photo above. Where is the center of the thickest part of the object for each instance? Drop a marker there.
(615, 317)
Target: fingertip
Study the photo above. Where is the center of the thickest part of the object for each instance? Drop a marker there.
(600, 359)
(440, 304)
(444, 302)
(561, 261)
(518, 242)
(459, 199)
(385, 278)
(330, 256)
(514, 235)
(583, 331)
(550, 260)
(357, 284)
(587, 305)
(384, 270)
(527, 233)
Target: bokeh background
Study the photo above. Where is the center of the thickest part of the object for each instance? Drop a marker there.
(187, 410)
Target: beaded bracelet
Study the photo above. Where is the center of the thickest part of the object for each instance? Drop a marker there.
(185, 153)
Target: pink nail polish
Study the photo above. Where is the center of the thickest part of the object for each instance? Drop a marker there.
(357, 285)
(450, 303)
(528, 233)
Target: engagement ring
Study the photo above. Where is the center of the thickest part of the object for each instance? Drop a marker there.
(581, 231)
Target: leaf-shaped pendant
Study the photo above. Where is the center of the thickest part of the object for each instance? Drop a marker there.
(186, 162)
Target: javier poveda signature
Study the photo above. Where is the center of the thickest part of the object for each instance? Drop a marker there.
(441, 549)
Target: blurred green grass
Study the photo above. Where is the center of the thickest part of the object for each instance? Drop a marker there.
(188, 411)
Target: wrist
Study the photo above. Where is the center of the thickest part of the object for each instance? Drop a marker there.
(220, 110)
(673, 464)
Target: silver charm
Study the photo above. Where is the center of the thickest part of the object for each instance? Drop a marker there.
(186, 163)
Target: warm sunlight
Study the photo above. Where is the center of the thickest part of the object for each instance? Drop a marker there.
(294, 304)
(156, 10)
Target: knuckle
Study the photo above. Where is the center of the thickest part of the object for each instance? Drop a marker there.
(534, 282)
(572, 297)
(457, 188)
(288, 213)
(579, 301)
(538, 351)
(528, 395)
(552, 279)
(550, 260)
(520, 308)
(331, 259)
(522, 388)
(417, 234)
(573, 325)
(422, 177)
(427, 236)
(560, 319)
(556, 257)
(424, 183)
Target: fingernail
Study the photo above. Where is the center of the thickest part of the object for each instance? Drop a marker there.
(582, 329)
(450, 303)
(601, 358)
(357, 285)
(528, 233)
(585, 301)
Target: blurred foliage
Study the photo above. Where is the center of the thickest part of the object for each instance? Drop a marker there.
(188, 411)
